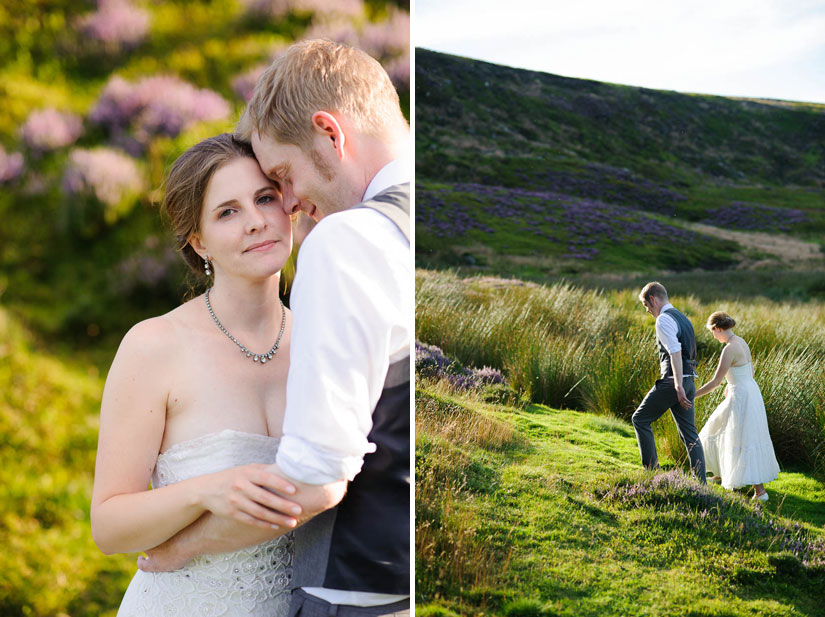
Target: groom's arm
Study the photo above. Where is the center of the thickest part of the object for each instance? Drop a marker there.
(212, 534)
(676, 365)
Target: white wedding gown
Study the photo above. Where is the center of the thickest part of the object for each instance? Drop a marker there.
(249, 582)
(735, 438)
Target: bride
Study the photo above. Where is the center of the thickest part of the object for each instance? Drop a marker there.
(197, 393)
(738, 448)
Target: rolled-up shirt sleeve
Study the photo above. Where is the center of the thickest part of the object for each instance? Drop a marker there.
(350, 303)
(667, 331)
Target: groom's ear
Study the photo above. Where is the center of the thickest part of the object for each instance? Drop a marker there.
(328, 126)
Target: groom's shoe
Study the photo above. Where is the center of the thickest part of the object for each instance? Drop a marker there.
(761, 496)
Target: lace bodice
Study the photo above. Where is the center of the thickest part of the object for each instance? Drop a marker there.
(248, 582)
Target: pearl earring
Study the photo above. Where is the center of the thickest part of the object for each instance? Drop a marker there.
(207, 270)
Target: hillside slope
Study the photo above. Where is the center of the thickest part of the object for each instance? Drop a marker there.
(551, 148)
(538, 511)
(48, 419)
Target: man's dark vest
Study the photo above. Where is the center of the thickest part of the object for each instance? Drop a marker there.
(363, 544)
(687, 338)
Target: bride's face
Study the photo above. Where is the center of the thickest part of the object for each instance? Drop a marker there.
(243, 227)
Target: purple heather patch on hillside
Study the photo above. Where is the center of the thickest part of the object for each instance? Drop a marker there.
(606, 183)
(105, 173)
(11, 165)
(430, 361)
(675, 490)
(116, 23)
(745, 215)
(577, 222)
(156, 105)
(48, 129)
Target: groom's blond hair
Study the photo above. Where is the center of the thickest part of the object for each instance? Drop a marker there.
(320, 75)
(653, 289)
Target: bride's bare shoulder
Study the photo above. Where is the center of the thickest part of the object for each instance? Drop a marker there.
(162, 333)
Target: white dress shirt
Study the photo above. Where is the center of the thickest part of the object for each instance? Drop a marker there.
(352, 303)
(667, 331)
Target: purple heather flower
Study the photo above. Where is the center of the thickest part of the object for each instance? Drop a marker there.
(399, 71)
(48, 129)
(117, 23)
(156, 105)
(145, 269)
(281, 8)
(387, 38)
(11, 165)
(430, 361)
(743, 215)
(104, 173)
(244, 84)
(488, 375)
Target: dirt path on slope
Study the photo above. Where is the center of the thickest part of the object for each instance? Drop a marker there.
(780, 248)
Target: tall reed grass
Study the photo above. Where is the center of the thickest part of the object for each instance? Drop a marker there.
(450, 549)
(596, 351)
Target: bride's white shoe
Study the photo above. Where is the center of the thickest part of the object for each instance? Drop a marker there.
(761, 496)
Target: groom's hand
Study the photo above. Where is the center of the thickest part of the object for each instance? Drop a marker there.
(164, 557)
(684, 401)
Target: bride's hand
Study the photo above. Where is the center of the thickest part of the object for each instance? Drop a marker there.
(245, 493)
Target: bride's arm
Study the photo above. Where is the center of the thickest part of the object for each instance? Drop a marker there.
(125, 515)
(214, 534)
(725, 361)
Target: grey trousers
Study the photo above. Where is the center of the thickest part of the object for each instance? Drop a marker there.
(306, 605)
(662, 396)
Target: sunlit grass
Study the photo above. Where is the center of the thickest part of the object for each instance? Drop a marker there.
(48, 417)
(565, 522)
(569, 347)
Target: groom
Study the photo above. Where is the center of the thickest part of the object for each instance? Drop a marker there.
(326, 125)
(675, 390)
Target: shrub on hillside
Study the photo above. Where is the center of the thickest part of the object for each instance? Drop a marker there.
(11, 165)
(48, 129)
(117, 25)
(156, 105)
(101, 185)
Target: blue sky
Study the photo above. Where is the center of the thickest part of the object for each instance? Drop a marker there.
(756, 48)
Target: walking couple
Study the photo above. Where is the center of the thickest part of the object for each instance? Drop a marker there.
(734, 445)
(280, 474)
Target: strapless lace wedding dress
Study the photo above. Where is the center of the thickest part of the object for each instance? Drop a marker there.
(735, 438)
(249, 582)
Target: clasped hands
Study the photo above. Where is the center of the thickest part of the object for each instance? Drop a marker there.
(250, 494)
(684, 401)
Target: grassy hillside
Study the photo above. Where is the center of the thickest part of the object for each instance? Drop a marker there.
(530, 496)
(595, 176)
(531, 511)
(48, 418)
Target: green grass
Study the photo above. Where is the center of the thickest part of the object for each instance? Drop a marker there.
(591, 350)
(549, 525)
(49, 416)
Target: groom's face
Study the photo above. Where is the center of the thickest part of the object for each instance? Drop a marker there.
(653, 305)
(308, 181)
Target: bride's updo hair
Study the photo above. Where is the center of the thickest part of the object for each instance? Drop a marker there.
(721, 320)
(186, 187)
